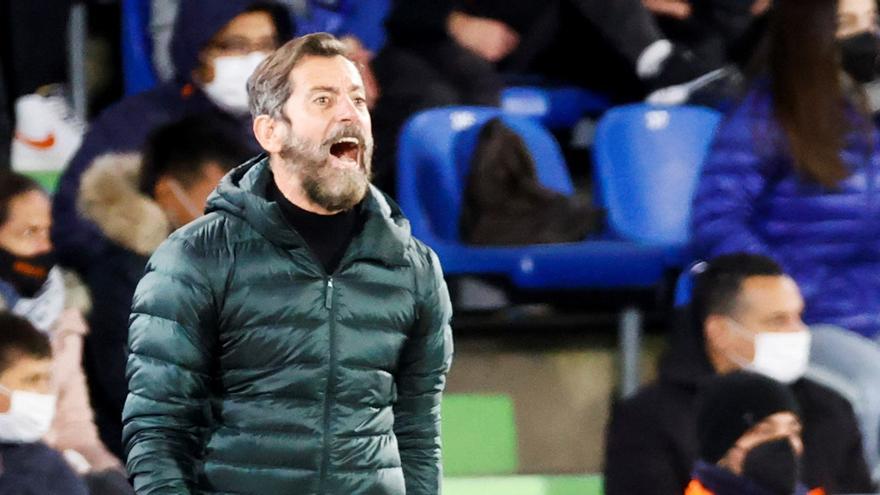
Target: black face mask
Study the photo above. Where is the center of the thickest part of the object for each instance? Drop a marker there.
(26, 274)
(859, 55)
(773, 465)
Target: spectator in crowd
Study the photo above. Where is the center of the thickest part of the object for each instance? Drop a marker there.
(216, 46)
(749, 433)
(34, 287)
(357, 23)
(794, 171)
(745, 314)
(27, 405)
(295, 339)
(136, 202)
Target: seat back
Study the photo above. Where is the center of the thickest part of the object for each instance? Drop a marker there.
(434, 154)
(647, 161)
(137, 49)
(556, 107)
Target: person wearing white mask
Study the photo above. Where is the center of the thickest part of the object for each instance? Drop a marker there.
(745, 314)
(33, 287)
(27, 407)
(136, 202)
(215, 47)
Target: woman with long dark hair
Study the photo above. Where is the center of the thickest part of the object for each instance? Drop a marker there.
(794, 172)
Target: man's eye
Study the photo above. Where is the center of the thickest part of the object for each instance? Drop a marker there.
(322, 100)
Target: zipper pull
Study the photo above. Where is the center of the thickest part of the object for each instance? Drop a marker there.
(328, 294)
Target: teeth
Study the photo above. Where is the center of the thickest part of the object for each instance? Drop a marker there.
(351, 140)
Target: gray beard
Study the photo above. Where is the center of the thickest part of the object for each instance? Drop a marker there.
(331, 188)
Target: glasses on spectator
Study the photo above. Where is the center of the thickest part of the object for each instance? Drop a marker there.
(238, 45)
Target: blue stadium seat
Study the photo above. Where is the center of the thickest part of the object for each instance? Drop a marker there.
(433, 160)
(137, 63)
(556, 107)
(434, 154)
(647, 162)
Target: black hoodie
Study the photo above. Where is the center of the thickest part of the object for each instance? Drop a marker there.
(125, 126)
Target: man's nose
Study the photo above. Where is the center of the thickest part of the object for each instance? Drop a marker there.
(43, 244)
(347, 111)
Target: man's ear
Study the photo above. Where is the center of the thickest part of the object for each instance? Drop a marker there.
(270, 133)
(715, 331)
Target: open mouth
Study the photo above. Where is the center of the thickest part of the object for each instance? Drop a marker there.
(346, 149)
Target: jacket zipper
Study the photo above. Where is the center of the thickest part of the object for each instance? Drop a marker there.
(328, 294)
(331, 383)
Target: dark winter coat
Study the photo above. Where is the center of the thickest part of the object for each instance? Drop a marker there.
(750, 198)
(254, 371)
(651, 440)
(134, 226)
(125, 126)
(35, 469)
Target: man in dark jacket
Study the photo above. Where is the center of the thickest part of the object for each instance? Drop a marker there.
(136, 201)
(749, 315)
(215, 46)
(295, 339)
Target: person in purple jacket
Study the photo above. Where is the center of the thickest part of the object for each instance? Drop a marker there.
(216, 45)
(794, 171)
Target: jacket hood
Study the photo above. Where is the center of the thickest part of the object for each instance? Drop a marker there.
(685, 362)
(198, 21)
(242, 193)
(109, 197)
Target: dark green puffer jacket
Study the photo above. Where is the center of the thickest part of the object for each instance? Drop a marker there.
(254, 372)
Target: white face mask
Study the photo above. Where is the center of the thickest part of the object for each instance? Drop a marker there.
(228, 90)
(782, 356)
(29, 417)
(183, 199)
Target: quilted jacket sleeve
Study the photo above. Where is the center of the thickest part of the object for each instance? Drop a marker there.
(734, 175)
(420, 379)
(169, 370)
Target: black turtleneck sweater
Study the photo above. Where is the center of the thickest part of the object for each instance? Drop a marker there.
(328, 236)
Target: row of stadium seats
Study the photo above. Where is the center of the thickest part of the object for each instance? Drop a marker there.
(646, 163)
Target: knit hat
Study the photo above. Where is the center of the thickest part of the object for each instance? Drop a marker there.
(731, 404)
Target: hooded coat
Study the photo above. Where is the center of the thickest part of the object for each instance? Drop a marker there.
(125, 126)
(750, 199)
(134, 226)
(651, 439)
(252, 370)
